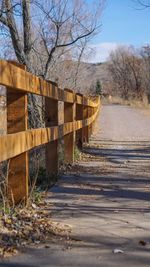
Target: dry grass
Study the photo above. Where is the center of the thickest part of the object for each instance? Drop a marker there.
(29, 227)
(131, 102)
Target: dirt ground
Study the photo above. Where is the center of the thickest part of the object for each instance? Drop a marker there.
(104, 199)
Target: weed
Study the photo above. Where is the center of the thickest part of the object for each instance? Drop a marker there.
(36, 196)
(77, 154)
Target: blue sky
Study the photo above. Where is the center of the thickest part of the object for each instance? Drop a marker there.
(123, 23)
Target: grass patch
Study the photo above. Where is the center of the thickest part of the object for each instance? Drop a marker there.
(77, 154)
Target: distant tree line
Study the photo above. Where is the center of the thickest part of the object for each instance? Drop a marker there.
(129, 72)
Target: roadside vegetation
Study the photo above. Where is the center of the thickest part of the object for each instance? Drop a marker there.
(129, 72)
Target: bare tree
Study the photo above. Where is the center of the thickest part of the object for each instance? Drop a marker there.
(145, 54)
(118, 69)
(41, 32)
(125, 67)
(40, 29)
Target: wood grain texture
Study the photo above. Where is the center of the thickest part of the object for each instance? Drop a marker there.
(69, 139)
(19, 81)
(17, 116)
(16, 78)
(12, 145)
(51, 114)
(79, 113)
(17, 186)
(17, 112)
(79, 116)
(85, 128)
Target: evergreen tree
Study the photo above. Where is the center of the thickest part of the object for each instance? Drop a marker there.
(98, 87)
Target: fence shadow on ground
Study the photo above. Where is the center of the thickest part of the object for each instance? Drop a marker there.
(105, 196)
(123, 185)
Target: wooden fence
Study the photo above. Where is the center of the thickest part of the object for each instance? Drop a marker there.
(79, 114)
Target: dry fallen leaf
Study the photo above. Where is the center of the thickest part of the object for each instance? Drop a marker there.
(142, 243)
(29, 226)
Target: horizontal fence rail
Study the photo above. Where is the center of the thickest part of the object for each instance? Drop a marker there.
(79, 114)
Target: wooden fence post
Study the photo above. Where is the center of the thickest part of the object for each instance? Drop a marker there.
(86, 128)
(69, 139)
(17, 115)
(90, 127)
(79, 116)
(51, 114)
(93, 124)
(19, 83)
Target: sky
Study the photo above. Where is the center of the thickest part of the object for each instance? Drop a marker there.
(123, 23)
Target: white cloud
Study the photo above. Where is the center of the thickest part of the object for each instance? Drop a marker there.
(101, 51)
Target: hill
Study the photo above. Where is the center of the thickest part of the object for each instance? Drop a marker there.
(81, 78)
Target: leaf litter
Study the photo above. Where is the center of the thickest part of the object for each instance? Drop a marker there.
(30, 226)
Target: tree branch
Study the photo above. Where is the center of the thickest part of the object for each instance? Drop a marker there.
(14, 32)
(64, 45)
(26, 26)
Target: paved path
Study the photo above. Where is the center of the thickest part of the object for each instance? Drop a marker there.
(105, 199)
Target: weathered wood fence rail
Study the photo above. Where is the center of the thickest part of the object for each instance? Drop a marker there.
(79, 114)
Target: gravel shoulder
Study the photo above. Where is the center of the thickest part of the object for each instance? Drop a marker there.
(104, 199)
